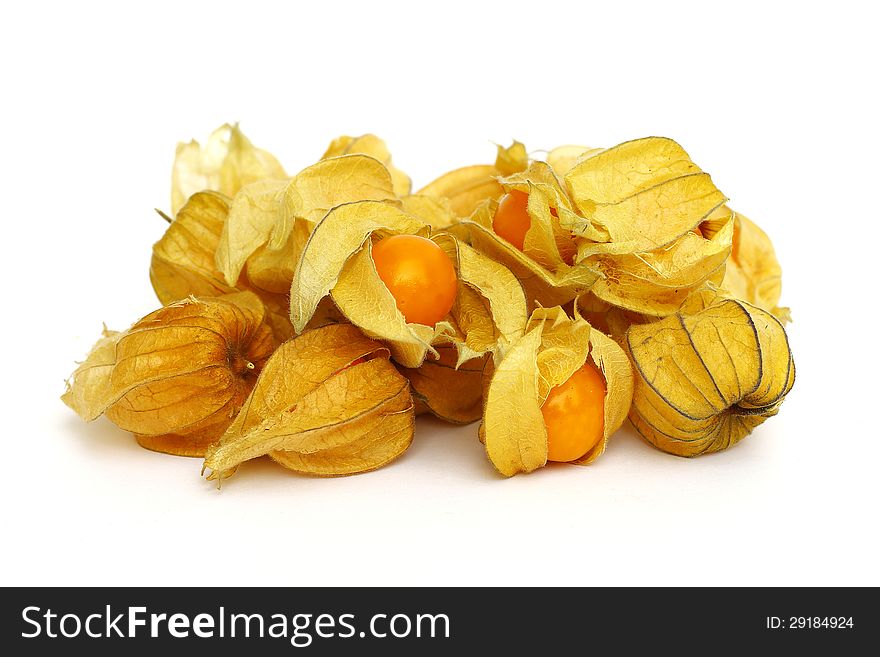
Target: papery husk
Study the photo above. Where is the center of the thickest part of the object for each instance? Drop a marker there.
(753, 272)
(318, 411)
(552, 349)
(183, 261)
(435, 211)
(467, 187)
(374, 147)
(705, 380)
(489, 312)
(177, 377)
(273, 216)
(88, 390)
(637, 196)
(453, 394)
(227, 162)
(563, 158)
(657, 282)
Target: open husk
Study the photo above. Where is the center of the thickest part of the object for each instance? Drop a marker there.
(552, 349)
(544, 265)
(489, 311)
(704, 381)
(176, 378)
(327, 403)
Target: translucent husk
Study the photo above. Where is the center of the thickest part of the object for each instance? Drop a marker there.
(704, 380)
(374, 147)
(327, 403)
(453, 394)
(488, 315)
(468, 187)
(552, 349)
(177, 377)
(563, 158)
(227, 162)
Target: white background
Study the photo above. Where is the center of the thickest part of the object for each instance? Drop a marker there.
(776, 100)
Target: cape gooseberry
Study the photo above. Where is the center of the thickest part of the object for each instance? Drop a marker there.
(511, 221)
(574, 415)
(419, 275)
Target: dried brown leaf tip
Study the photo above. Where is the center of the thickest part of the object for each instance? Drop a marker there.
(558, 395)
(327, 403)
(706, 379)
(177, 378)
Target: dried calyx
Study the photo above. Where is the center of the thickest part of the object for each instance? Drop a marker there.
(327, 403)
(178, 377)
(706, 379)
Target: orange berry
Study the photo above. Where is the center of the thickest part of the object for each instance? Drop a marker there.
(512, 220)
(574, 414)
(419, 275)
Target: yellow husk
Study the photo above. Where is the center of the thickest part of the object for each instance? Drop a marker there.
(227, 162)
(88, 390)
(657, 282)
(563, 158)
(269, 214)
(178, 376)
(753, 272)
(374, 147)
(705, 380)
(317, 411)
(337, 260)
(639, 195)
(183, 262)
(553, 348)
